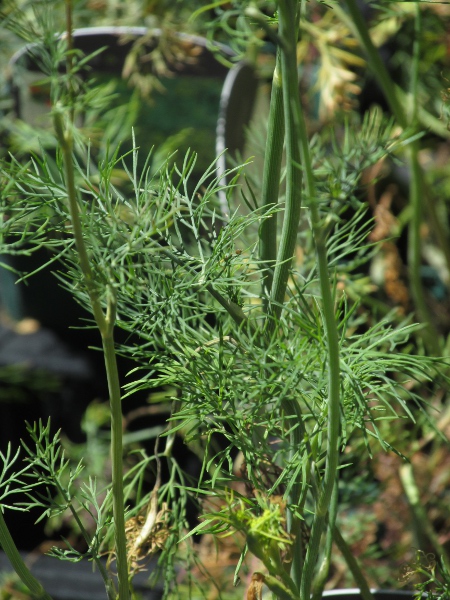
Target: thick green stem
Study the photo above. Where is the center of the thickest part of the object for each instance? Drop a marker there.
(322, 575)
(333, 363)
(11, 551)
(352, 563)
(297, 152)
(292, 117)
(271, 181)
(279, 589)
(105, 324)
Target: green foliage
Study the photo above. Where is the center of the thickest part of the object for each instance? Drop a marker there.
(268, 384)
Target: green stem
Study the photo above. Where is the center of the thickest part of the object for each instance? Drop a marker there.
(352, 565)
(271, 181)
(292, 118)
(347, 554)
(116, 453)
(430, 334)
(19, 566)
(66, 142)
(233, 309)
(419, 512)
(69, 57)
(109, 584)
(296, 497)
(297, 152)
(322, 575)
(333, 363)
(279, 589)
(105, 324)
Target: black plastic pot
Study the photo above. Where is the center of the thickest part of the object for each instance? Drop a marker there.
(77, 581)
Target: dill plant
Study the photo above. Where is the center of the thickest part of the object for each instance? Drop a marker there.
(263, 359)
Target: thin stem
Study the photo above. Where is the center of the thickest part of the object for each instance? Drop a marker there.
(105, 324)
(333, 363)
(322, 575)
(116, 452)
(292, 117)
(69, 57)
(109, 584)
(420, 514)
(19, 566)
(430, 334)
(352, 564)
(271, 181)
(66, 143)
(340, 542)
(296, 497)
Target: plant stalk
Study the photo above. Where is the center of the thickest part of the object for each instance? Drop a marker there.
(419, 513)
(116, 452)
(333, 363)
(352, 564)
(293, 522)
(69, 58)
(416, 194)
(105, 324)
(340, 542)
(292, 116)
(322, 575)
(271, 181)
(297, 152)
(19, 566)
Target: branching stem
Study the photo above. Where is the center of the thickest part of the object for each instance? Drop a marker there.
(105, 324)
